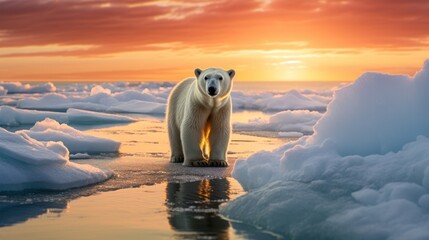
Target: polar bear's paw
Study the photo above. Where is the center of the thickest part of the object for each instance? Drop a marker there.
(177, 159)
(218, 163)
(201, 163)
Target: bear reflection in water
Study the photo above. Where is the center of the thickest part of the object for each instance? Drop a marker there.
(193, 207)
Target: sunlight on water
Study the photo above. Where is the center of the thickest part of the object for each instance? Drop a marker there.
(167, 210)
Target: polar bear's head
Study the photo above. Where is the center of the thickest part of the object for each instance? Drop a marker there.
(215, 82)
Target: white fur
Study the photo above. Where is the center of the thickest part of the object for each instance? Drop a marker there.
(197, 121)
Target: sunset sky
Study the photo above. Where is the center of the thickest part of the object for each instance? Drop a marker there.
(263, 40)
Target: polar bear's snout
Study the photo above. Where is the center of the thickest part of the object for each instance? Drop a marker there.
(213, 87)
(212, 91)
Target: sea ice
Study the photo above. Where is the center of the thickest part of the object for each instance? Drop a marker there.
(99, 89)
(2, 91)
(80, 156)
(138, 106)
(18, 87)
(301, 121)
(290, 134)
(10, 116)
(75, 140)
(275, 102)
(100, 100)
(26, 163)
(78, 116)
(151, 97)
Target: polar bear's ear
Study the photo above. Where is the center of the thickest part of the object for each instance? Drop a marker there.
(197, 72)
(231, 73)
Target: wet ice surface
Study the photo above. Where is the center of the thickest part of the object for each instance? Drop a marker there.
(148, 196)
(144, 155)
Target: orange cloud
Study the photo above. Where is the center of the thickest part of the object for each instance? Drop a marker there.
(106, 29)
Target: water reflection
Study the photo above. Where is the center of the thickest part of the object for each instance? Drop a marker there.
(14, 213)
(193, 207)
(19, 207)
(162, 211)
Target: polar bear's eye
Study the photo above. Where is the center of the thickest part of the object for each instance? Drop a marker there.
(220, 78)
(206, 78)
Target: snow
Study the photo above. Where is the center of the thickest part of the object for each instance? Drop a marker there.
(299, 121)
(75, 140)
(18, 87)
(26, 163)
(10, 116)
(363, 174)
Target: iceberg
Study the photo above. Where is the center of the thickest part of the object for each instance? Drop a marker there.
(363, 174)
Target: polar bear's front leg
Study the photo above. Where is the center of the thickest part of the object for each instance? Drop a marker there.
(175, 144)
(219, 138)
(191, 134)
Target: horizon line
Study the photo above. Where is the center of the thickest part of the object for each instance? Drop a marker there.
(173, 81)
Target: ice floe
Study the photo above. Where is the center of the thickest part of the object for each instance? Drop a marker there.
(26, 163)
(11, 116)
(18, 87)
(3, 91)
(297, 121)
(275, 101)
(100, 100)
(76, 141)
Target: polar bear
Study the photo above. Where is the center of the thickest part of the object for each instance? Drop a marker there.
(198, 118)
